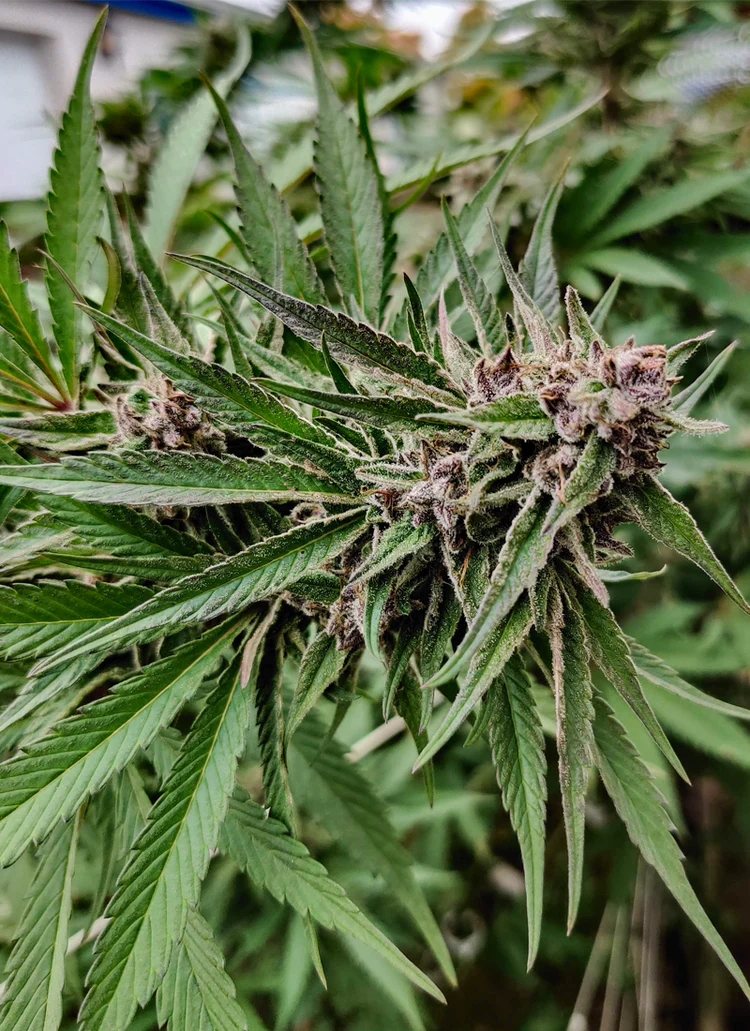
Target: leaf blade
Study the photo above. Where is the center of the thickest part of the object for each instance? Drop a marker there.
(35, 969)
(178, 157)
(173, 478)
(517, 745)
(640, 807)
(282, 865)
(75, 209)
(196, 991)
(161, 879)
(665, 519)
(251, 575)
(349, 196)
(51, 778)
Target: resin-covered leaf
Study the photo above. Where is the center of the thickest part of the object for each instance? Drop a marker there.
(376, 410)
(515, 416)
(671, 523)
(349, 341)
(259, 572)
(172, 478)
(485, 314)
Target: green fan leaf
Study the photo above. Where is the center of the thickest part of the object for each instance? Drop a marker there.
(711, 732)
(161, 325)
(609, 649)
(349, 341)
(534, 319)
(661, 205)
(575, 740)
(471, 227)
(641, 809)
(69, 431)
(656, 671)
(118, 530)
(196, 992)
(485, 314)
(458, 157)
(17, 317)
(517, 744)
(269, 718)
(335, 791)
(161, 880)
(267, 229)
(489, 664)
(35, 970)
(277, 862)
(349, 196)
(37, 618)
(635, 266)
(9, 496)
(669, 522)
(321, 666)
(156, 300)
(179, 154)
(597, 194)
(261, 360)
(538, 270)
(38, 692)
(75, 211)
(241, 405)
(172, 478)
(685, 401)
(392, 412)
(50, 779)
(601, 312)
(260, 571)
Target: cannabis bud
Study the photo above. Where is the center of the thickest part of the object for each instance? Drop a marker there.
(370, 481)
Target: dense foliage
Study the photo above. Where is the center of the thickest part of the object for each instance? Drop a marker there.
(361, 479)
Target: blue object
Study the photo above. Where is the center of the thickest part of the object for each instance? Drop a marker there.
(168, 10)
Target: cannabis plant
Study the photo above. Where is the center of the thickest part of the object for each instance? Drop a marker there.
(348, 476)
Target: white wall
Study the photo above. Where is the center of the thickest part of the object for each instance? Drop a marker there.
(41, 42)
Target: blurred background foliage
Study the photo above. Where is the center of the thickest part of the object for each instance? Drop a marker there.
(657, 192)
